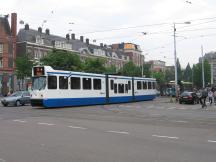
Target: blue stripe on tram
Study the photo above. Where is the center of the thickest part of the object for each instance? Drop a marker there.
(64, 102)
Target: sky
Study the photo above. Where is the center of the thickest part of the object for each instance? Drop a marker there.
(116, 21)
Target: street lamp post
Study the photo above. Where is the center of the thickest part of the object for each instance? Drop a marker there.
(175, 57)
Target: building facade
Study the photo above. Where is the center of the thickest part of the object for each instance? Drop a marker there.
(157, 65)
(7, 53)
(211, 57)
(36, 44)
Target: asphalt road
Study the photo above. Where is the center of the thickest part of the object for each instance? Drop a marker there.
(152, 131)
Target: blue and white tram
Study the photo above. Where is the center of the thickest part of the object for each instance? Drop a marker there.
(57, 88)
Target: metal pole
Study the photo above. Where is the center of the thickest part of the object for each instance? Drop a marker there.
(203, 74)
(176, 72)
(211, 73)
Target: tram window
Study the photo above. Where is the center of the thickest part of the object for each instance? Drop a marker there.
(75, 83)
(86, 83)
(139, 85)
(111, 84)
(115, 88)
(126, 88)
(97, 83)
(149, 85)
(120, 88)
(52, 82)
(129, 85)
(153, 85)
(63, 82)
(144, 85)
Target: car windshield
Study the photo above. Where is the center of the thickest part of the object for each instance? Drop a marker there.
(15, 94)
(38, 83)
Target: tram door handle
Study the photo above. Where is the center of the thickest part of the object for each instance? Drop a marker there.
(135, 92)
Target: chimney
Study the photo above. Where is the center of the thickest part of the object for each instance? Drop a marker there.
(67, 36)
(26, 26)
(40, 30)
(87, 41)
(47, 31)
(101, 44)
(14, 24)
(73, 36)
(81, 38)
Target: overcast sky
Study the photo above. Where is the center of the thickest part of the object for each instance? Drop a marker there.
(116, 21)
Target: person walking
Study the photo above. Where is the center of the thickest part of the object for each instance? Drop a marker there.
(204, 95)
(210, 96)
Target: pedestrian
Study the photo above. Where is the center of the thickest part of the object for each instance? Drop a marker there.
(204, 95)
(214, 95)
(210, 96)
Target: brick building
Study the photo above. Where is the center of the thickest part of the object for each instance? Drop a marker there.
(7, 53)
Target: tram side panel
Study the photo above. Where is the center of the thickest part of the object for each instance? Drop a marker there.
(76, 90)
(144, 89)
(119, 89)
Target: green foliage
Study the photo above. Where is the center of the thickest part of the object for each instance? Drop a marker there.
(169, 75)
(179, 71)
(63, 60)
(160, 77)
(187, 73)
(111, 70)
(130, 69)
(23, 67)
(94, 65)
(197, 74)
(146, 70)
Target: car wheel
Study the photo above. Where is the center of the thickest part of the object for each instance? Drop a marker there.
(5, 104)
(17, 103)
(180, 102)
(23, 104)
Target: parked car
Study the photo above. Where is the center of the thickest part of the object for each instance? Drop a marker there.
(188, 97)
(17, 98)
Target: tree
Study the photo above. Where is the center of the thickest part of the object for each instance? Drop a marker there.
(187, 76)
(130, 69)
(197, 74)
(160, 78)
(146, 70)
(62, 60)
(94, 65)
(170, 75)
(111, 70)
(23, 68)
(179, 71)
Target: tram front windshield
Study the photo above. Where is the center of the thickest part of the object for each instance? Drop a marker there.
(38, 83)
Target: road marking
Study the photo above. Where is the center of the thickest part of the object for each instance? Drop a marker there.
(49, 124)
(76, 127)
(211, 141)
(171, 108)
(21, 121)
(154, 135)
(179, 121)
(119, 132)
(155, 114)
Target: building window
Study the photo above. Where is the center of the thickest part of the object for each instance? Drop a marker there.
(52, 82)
(63, 82)
(75, 83)
(97, 84)
(86, 83)
(39, 40)
(1, 48)
(1, 62)
(10, 62)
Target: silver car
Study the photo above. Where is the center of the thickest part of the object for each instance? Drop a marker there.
(17, 98)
